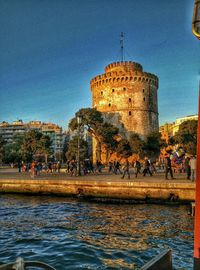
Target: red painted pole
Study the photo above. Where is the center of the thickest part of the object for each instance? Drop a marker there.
(197, 202)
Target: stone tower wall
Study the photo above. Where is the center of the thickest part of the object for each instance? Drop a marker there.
(129, 95)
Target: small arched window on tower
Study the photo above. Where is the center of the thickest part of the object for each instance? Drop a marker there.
(143, 90)
(124, 88)
(129, 113)
(129, 99)
(109, 105)
(102, 93)
(113, 90)
(144, 98)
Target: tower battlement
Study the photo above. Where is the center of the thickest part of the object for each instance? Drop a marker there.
(129, 93)
(123, 77)
(123, 66)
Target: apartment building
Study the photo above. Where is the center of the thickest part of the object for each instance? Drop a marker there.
(9, 130)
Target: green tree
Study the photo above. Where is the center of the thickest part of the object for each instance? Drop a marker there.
(103, 132)
(34, 143)
(187, 136)
(137, 144)
(13, 153)
(124, 149)
(65, 149)
(2, 149)
(91, 118)
(72, 151)
(153, 144)
(107, 134)
(26, 146)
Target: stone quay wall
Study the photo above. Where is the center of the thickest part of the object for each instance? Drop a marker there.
(108, 190)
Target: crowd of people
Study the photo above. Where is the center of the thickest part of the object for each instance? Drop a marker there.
(36, 167)
(86, 167)
(138, 167)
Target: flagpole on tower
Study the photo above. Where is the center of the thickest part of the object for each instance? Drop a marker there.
(122, 46)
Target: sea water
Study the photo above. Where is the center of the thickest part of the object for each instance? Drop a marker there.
(72, 234)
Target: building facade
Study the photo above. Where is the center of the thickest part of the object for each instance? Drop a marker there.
(180, 120)
(166, 131)
(8, 131)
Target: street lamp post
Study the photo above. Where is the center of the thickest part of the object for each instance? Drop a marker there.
(197, 201)
(196, 19)
(78, 153)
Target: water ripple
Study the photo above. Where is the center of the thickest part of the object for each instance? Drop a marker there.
(70, 234)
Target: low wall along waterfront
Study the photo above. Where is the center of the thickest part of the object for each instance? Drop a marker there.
(102, 189)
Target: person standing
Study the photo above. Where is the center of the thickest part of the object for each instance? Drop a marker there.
(168, 167)
(187, 167)
(39, 168)
(33, 165)
(19, 165)
(126, 169)
(58, 166)
(193, 166)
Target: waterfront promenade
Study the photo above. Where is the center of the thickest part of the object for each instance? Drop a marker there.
(100, 185)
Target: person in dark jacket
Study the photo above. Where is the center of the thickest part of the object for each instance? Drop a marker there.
(137, 167)
(146, 167)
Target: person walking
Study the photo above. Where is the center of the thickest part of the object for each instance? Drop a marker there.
(126, 169)
(137, 167)
(168, 167)
(146, 167)
(110, 167)
(68, 166)
(117, 167)
(193, 166)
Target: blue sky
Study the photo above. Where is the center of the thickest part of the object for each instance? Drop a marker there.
(50, 50)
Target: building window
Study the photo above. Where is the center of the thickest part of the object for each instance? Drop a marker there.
(109, 104)
(129, 99)
(124, 88)
(113, 90)
(144, 98)
(129, 113)
(102, 93)
(143, 90)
